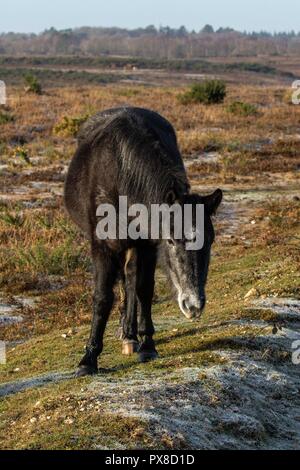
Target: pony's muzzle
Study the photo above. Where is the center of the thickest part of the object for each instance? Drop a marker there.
(192, 307)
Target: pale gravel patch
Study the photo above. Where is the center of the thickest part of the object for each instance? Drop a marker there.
(10, 319)
(11, 388)
(9, 309)
(286, 309)
(205, 157)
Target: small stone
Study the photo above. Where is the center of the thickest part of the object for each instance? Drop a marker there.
(64, 335)
(69, 421)
(33, 420)
(16, 369)
(252, 293)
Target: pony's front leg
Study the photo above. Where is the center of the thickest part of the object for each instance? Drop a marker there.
(145, 290)
(105, 274)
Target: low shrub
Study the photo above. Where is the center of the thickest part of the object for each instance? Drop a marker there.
(32, 85)
(208, 92)
(239, 108)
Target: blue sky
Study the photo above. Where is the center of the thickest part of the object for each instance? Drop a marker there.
(37, 15)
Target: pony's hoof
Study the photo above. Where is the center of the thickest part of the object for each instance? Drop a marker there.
(146, 356)
(83, 371)
(129, 347)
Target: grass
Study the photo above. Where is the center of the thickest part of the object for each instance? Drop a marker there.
(242, 109)
(5, 117)
(49, 415)
(43, 256)
(42, 244)
(48, 77)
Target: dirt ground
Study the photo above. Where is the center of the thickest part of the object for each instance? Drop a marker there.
(229, 381)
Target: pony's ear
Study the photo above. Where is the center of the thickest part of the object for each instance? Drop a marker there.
(213, 201)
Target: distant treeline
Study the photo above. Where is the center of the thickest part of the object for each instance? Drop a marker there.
(150, 42)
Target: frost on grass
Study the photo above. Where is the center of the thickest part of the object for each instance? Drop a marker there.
(33, 382)
(246, 404)
(251, 402)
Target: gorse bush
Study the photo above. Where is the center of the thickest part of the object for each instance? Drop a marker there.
(208, 92)
(242, 109)
(69, 126)
(32, 84)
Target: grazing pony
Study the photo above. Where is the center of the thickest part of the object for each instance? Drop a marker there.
(133, 152)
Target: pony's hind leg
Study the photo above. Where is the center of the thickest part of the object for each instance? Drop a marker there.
(119, 334)
(130, 343)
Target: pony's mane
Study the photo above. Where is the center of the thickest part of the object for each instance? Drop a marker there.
(150, 164)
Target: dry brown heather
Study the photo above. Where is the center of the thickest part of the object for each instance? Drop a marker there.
(255, 159)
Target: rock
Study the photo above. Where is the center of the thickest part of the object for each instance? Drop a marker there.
(69, 421)
(252, 293)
